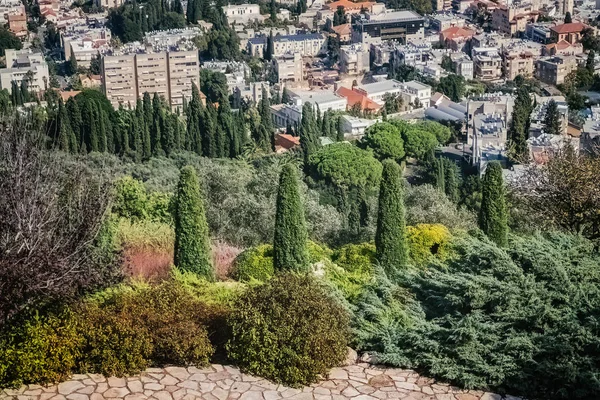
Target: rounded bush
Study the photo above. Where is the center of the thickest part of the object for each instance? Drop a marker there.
(428, 241)
(254, 263)
(318, 252)
(356, 257)
(288, 330)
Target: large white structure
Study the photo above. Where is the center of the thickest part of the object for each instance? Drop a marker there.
(412, 92)
(289, 68)
(325, 100)
(21, 64)
(354, 59)
(242, 13)
(308, 45)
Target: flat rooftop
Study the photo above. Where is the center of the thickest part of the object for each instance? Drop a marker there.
(403, 15)
(383, 86)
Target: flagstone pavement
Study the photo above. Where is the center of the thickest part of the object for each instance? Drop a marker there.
(217, 382)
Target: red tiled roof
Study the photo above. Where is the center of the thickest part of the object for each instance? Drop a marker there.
(349, 5)
(286, 141)
(358, 98)
(569, 28)
(343, 29)
(456, 32)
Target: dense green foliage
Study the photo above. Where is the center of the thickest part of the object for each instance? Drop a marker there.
(192, 242)
(493, 215)
(427, 243)
(390, 240)
(288, 330)
(385, 141)
(254, 263)
(511, 320)
(452, 86)
(518, 131)
(8, 40)
(289, 244)
(345, 165)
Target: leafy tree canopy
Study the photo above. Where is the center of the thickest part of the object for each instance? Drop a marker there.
(385, 141)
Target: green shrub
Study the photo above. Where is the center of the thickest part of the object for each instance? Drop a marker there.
(355, 257)
(288, 330)
(128, 328)
(318, 252)
(130, 199)
(159, 207)
(254, 263)
(427, 242)
(42, 350)
(145, 235)
(211, 293)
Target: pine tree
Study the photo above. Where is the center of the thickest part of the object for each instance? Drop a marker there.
(289, 246)
(192, 242)
(568, 18)
(390, 239)
(493, 216)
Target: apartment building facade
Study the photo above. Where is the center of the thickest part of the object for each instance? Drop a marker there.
(401, 26)
(354, 59)
(289, 68)
(24, 64)
(511, 20)
(517, 62)
(553, 70)
(170, 74)
(487, 64)
(308, 45)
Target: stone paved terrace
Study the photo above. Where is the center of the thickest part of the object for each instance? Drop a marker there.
(357, 382)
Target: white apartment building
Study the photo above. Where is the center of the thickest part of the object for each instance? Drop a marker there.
(289, 68)
(409, 91)
(487, 63)
(324, 99)
(308, 45)
(19, 63)
(242, 13)
(354, 59)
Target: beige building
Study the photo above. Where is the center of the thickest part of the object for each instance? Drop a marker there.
(487, 64)
(517, 62)
(513, 19)
(354, 59)
(553, 70)
(23, 63)
(289, 68)
(309, 45)
(170, 74)
(108, 3)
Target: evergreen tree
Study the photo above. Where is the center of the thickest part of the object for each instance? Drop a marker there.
(269, 49)
(451, 180)
(192, 242)
(590, 63)
(493, 216)
(309, 135)
(94, 127)
(340, 131)
(265, 111)
(177, 7)
(440, 180)
(71, 65)
(193, 141)
(102, 141)
(568, 18)
(140, 139)
(552, 119)
(285, 96)
(390, 239)
(518, 130)
(74, 116)
(326, 124)
(147, 121)
(157, 117)
(208, 123)
(64, 134)
(289, 246)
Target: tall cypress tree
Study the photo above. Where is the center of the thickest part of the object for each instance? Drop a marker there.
(451, 176)
(309, 135)
(148, 121)
(265, 111)
(518, 130)
(208, 123)
(64, 134)
(390, 239)
(289, 246)
(552, 119)
(440, 180)
(76, 122)
(192, 242)
(493, 215)
(102, 147)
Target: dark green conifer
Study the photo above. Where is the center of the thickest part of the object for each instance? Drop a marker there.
(192, 242)
(390, 239)
(289, 246)
(493, 216)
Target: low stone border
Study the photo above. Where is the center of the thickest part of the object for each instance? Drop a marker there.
(221, 382)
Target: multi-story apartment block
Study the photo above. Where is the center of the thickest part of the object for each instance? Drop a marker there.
(513, 19)
(565, 6)
(463, 65)
(487, 64)
(289, 68)
(84, 44)
(538, 32)
(354, 59)
(441, 22)
(308, 45)
(170, 74)
(456, 38)
(242, 13)
(409, 91)
(24, 64)
(408, 54)
(401, 26)
(519, 59)
(326, 100)
(553, 70)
